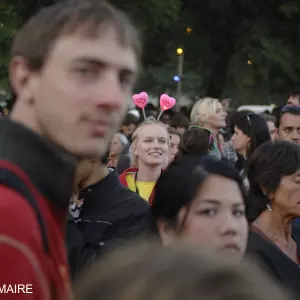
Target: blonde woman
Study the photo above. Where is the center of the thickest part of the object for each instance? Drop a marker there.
(208, 113)
(149, 155)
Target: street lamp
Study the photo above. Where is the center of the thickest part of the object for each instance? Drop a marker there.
(179, 51)
(189, 30)
(180, 54)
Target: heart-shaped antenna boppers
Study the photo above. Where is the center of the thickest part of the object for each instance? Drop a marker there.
(140, 100)
(166, 102)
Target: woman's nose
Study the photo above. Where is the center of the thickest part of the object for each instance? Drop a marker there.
(229, 225)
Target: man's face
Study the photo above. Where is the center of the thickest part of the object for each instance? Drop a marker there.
(272, 130)
(80, 94)
(129, 129)
(293, 101)
(174, 146)
(180, 130)
(289, 128)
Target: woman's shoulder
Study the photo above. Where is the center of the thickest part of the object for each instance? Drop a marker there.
(258, 245)
(256, 242)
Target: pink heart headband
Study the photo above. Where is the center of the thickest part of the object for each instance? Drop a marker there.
(141, 100)
(166, 102)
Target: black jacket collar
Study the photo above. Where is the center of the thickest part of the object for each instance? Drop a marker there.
(105, 185)
(50, 169)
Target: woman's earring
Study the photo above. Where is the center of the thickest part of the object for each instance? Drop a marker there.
(269, 205)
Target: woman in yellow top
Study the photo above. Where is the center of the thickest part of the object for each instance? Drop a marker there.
(149, 154)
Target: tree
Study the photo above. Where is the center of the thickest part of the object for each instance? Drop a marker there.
(240, 46)
(150, 16)
(8, 25)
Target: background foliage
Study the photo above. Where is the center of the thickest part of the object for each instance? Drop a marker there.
(243, 49)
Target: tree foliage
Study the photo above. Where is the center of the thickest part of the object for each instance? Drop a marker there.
(238, 48)
(239, 45)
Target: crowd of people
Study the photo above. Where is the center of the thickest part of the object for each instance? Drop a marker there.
(98, 202)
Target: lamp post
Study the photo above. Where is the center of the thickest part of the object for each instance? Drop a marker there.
(180, 54)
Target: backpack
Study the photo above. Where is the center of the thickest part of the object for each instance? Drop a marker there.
(13, 181)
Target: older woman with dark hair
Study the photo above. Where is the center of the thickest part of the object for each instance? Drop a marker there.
(274, 176)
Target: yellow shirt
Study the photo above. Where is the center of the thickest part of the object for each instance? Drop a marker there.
(145, 188)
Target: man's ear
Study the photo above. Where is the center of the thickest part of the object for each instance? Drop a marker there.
(19, 76)
(167, 232)
(277, 134)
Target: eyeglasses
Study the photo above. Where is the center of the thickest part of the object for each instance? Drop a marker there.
(210, 132)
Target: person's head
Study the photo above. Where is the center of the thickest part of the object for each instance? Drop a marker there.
(129, 124)
(208, 112)
(288, 124)
(271, 123)
(151, 110)
(250, 132)
(150, 144)
(85, 167)
(274, 177)
(180, 123)
(174, 144)
(90, 168)
(195, 142)
(73, 67)
(201, 201)
(294, 98)
(166, 117)
(118, 144)
(156, 273)
(234, 116)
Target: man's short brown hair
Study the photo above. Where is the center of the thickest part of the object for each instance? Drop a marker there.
(86, 17)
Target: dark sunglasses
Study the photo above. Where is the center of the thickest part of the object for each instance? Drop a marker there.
(248, 118)
(290, 109)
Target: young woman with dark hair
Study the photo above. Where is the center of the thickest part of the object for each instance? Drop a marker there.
(250, 131)
(201, 200)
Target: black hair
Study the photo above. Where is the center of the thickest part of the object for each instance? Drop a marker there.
(178, 185)
(194, 142)
(256, 128)
(234, 116)
(288, 109)
(130, 119)
(180, 120)
(295, 94)
(172, 130)
(265, 169)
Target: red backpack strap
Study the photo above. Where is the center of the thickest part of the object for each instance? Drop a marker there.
(13, 181)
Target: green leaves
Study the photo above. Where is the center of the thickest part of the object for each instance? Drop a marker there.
(150, 14)
(226, 34)
(9, 22)
(290, 8)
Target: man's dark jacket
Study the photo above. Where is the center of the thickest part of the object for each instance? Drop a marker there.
(111, 216)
